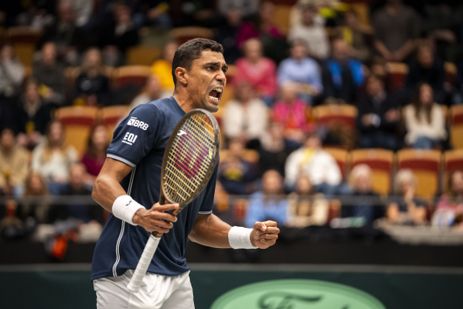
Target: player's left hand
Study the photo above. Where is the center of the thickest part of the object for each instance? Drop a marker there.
(264, 234)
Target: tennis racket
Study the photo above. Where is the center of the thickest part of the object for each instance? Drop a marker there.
(188, 163)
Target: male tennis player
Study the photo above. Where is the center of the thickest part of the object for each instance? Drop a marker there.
(128, 186)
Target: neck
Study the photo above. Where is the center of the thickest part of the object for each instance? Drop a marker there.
(183, 99)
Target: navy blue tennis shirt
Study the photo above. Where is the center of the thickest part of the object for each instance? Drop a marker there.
(139, 141)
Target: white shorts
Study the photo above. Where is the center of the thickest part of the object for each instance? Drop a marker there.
(156, 292)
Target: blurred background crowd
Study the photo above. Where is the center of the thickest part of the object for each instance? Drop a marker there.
(337, 113)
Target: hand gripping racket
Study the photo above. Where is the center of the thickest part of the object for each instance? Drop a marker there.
(188, 163)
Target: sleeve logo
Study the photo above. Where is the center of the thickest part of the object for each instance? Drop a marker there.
(129, 138)
(134, 122)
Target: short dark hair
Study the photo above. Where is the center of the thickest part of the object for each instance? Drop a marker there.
(191, 50)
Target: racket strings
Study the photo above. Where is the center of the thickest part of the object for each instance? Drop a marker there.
(195, 150)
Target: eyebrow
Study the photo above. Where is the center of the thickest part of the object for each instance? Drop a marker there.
(217, 64)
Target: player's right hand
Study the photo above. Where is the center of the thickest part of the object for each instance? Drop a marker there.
(158, 218)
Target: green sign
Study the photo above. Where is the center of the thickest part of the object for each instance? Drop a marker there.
(296, 294)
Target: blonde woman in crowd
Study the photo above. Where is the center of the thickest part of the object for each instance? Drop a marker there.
(53, 157)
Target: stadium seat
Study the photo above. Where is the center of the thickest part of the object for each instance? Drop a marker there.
(342, 158)
(450, 72)
(282, 13)
(426, 165)
(111, 115)
(453, 160)
(338, 119)
(183, 34)
(24, 40)
(131, 75)
(456, 126)
(77, 121)
(381, 161)
(396, 73)
(142, 55)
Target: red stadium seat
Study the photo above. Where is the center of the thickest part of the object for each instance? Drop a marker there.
(426, 165)
(131, 75)
(342, 158)
(111, 115)
(456, 126)
(453, 160)
(77, 121)
(396, 73)
(339, 119)
(381, 162)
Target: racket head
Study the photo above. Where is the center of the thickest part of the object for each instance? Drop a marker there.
(190, 157)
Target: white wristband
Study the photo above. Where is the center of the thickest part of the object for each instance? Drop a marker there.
(124, 207)
(240, 238)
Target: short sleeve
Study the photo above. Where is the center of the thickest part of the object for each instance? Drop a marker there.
(136, 135)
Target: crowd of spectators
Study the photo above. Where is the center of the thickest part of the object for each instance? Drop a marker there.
(272, 148)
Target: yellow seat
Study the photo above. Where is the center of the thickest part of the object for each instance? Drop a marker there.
(142, 55)
(183, 34)
(77, 121)
(381, 162)
(426, 166)
(110, 116)
(456, 126)
(453, 161)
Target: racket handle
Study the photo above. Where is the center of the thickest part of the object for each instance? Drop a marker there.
(143, 263)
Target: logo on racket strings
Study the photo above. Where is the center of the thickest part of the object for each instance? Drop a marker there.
(191, 160)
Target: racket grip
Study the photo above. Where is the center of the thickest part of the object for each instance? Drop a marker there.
(143, 263)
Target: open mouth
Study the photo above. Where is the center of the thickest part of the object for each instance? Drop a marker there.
(215, 95)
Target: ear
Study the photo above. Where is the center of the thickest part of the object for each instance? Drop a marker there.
(182, 76)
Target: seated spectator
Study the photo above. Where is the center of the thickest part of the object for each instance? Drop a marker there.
(263, 27)
(424, 121)
(292, 113)
(269, 203)
(74, 208)
(307, 207)
(312, 33)
(65, 33)
(162, 67)
(396, 27)
(227, 32)
(449, 209)
(427, 68)
(405, 207)
(151, 91)
(120, 35)
(36, 202)
(245, 8)
(357, 35)
(95, 154)
(152, 13)
(318, 165)
(378, 117)
(343, 74)
(49, 75)
(52, 158)
(11, 74)
(257, 70)
(237, 171)
(275, 149)
(245, 116)
(92, 84)
(34, 116)
(14, 164)
(11, 78)
(302, 71)
(362, 202)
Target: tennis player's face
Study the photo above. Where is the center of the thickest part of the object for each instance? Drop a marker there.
(206, 80)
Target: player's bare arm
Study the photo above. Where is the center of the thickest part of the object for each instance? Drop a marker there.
(209, 230)
(107, 188)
